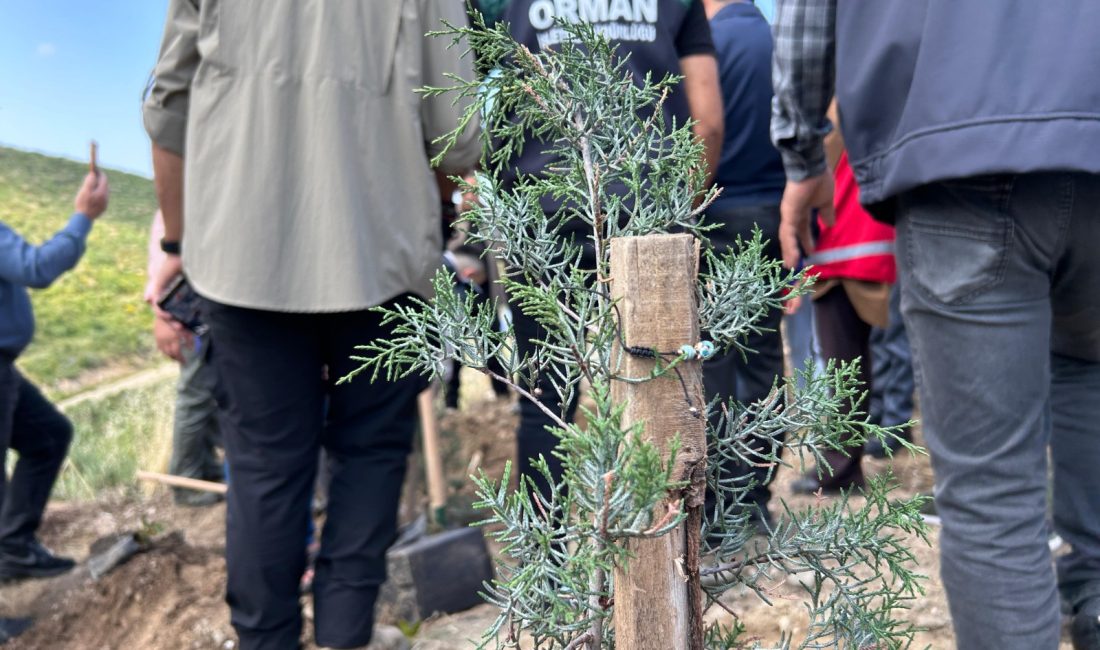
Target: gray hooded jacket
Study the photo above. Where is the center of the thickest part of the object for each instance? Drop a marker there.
(929, 91)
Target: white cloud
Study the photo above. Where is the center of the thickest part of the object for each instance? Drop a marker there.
(46, 50)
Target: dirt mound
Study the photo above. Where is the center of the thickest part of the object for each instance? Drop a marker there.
(167, 597)
(171, 597)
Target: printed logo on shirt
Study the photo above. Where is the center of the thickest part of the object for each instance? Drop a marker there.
(618, 20)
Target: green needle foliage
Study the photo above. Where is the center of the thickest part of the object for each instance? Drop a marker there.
(621, 170)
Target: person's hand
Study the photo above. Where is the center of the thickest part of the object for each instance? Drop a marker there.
(800, 198)
(170, 267)
(170, 340)
(791, 305)
(91, 198)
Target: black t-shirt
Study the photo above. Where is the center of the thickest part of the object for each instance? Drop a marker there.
(655, 34)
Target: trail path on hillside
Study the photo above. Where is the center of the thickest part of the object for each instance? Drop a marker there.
(129, 382)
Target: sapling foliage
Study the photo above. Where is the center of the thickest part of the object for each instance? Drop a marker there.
(622, 168)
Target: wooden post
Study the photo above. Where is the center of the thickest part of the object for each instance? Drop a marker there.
(657, 598)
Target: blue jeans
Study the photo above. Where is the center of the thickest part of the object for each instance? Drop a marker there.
(802, 341)
(1001, 299)
(891, 400)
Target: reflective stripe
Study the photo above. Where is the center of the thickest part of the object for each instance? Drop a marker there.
(855, 251)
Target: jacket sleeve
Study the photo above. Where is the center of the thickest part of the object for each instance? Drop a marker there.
(38, 266)
(166, 103)
(442, 114)
(803, 73)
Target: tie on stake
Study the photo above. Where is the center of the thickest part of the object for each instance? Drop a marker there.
(702, 351)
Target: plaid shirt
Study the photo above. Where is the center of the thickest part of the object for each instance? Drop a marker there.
(804, 75)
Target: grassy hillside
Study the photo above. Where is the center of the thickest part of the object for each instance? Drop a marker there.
(93, 317)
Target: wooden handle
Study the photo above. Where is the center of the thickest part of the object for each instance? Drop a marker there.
(93, 163)
(433, 458)
(180, 481)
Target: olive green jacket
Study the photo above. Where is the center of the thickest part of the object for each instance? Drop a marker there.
(306, 146)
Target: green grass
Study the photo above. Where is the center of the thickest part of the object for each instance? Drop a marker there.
(115, 436)
(93, 316)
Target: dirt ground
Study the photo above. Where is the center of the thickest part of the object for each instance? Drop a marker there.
(170, 598)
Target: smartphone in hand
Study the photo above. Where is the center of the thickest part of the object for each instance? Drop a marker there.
(182, 303)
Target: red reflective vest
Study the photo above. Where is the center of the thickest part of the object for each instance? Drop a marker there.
(856, 247)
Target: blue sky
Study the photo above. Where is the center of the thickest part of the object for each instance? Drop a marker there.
(767, 7)
(74, 71)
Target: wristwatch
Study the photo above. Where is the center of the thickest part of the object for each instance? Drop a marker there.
(170, 247)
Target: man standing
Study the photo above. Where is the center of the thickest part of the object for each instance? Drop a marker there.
(975, 126)
(750, 173)
(195, 430)
(308, 200)
(29, 423)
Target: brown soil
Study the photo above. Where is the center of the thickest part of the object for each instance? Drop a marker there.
(171, 596)
(167, 597)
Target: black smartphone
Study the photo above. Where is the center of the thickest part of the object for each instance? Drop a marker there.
(182, 303)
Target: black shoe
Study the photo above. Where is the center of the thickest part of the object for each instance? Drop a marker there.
(196, 498)
(13, 627)
(809, 484)
(32, 561)
(1085, 630)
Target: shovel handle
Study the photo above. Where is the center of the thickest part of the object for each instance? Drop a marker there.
(433, 458)
(180, 481)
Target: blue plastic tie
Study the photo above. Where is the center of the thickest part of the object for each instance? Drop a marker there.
(706, 349)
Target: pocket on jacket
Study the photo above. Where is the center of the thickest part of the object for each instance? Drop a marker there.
(957, 236)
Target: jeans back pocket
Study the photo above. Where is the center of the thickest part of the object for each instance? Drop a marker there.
(956, 236)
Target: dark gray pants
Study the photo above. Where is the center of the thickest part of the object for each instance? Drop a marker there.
(272, 394)
(1001, 299)
(30, 425)
(844, 337)
(195, 430)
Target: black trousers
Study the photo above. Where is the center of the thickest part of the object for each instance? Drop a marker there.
(272, 393)
(843, 337)
(750, 377)
(30, 425)
(532, 437)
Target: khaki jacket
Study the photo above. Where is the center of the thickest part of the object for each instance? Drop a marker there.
(306, 146)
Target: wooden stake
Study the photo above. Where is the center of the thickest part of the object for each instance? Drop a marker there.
(433, 457)
(657, 599)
